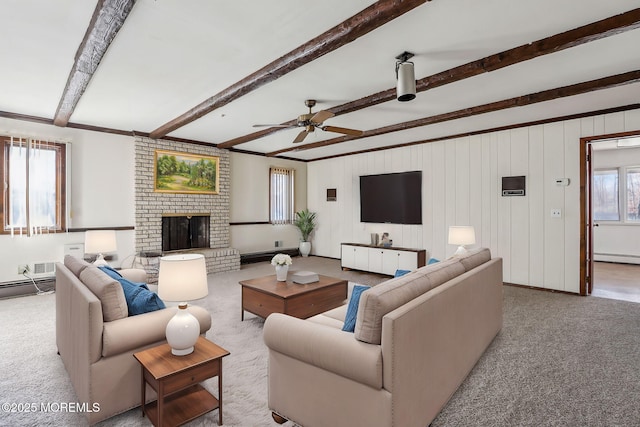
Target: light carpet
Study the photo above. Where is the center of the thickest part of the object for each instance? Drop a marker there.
(560, 360)
(32, 372)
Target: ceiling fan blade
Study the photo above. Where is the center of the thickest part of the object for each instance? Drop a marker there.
(321, 116)
(273, 126)
(346, 131)
(301, 136)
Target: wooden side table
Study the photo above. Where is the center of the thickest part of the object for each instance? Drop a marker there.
(177, 379)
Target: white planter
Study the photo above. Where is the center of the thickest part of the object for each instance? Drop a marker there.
(305, 248)
(281, 272)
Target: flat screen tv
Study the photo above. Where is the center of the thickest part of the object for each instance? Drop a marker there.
(392, 197)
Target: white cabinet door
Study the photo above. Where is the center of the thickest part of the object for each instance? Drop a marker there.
(378, 260)
(390, 261)
(407, 260)
(375, 260)
(361, 258)
(348, 256)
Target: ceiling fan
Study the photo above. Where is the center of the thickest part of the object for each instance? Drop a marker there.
(310, 121)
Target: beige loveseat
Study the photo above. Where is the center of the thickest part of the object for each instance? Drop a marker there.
(416, 339)
(96, 339)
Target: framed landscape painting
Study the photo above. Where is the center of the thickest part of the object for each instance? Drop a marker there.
(186, 173)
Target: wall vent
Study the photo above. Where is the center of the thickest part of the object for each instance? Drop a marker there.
(41, 268)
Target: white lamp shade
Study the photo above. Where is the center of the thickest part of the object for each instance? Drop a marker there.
(100, 241)
(182, 277)
(462, 235)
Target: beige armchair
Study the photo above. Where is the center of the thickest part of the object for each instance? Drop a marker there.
(96, 338)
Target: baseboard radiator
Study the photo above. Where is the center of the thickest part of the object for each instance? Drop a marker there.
(26, 287)
(266, 255)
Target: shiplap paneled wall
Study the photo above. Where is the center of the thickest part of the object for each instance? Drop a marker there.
(462, 185)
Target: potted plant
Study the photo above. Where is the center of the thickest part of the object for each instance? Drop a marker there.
(305, 221)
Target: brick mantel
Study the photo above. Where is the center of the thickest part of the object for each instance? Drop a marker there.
(151, 205)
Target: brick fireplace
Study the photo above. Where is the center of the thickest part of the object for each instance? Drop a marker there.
(186, 231)
(152, 207)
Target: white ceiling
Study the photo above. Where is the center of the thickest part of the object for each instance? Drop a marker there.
(171, 55)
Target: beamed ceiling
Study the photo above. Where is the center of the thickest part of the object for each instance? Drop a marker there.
(208, 70)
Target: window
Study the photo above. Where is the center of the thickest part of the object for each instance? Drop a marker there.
(633, 194)
(605, 195)
(281, 196)
(33, 173)
(616, 194)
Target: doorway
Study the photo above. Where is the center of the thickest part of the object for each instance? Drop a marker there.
(616, 281)
(610, 216)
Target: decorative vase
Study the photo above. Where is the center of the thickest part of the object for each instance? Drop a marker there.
(281, 272)
(305, 248)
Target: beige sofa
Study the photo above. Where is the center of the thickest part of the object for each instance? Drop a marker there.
(416, 339)
(96, 339)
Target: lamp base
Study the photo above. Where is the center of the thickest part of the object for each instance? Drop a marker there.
(100, 261)
(184, 352)
(460, 251)
(182, 331)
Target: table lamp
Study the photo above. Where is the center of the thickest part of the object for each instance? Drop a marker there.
(182, 278)
(461, 235)
(99, 242)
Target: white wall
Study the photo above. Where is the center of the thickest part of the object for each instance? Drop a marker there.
(616, 241)
(101, 195)
(461, 185)
(250, 203)
(102, 179)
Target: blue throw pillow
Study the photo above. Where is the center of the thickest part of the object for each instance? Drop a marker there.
(433, 261)
(401, 273)
(139, 298)
(352, 308)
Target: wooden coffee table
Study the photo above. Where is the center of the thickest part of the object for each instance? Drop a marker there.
(176, 380)
(265, 295)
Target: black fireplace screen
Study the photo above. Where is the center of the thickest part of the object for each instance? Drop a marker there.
(185, 232)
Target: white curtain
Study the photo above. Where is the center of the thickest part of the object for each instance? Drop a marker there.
(43, 206)
(32, 196)
(281, 195)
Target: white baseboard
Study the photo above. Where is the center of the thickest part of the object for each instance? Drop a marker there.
(625, 259)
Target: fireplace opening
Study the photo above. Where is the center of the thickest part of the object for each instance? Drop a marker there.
(185, 232)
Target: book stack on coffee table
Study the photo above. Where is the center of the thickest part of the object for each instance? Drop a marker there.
(304, 277)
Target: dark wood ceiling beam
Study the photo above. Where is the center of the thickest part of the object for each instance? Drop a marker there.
(255, 135)
(367, 20)
(519, 101)
(587, 33)
(595, 31)
(108, 18)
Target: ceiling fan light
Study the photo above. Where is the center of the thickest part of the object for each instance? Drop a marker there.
(406, 88)
(311, 121)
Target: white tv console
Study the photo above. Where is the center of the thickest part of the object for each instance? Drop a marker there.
(378, 259)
